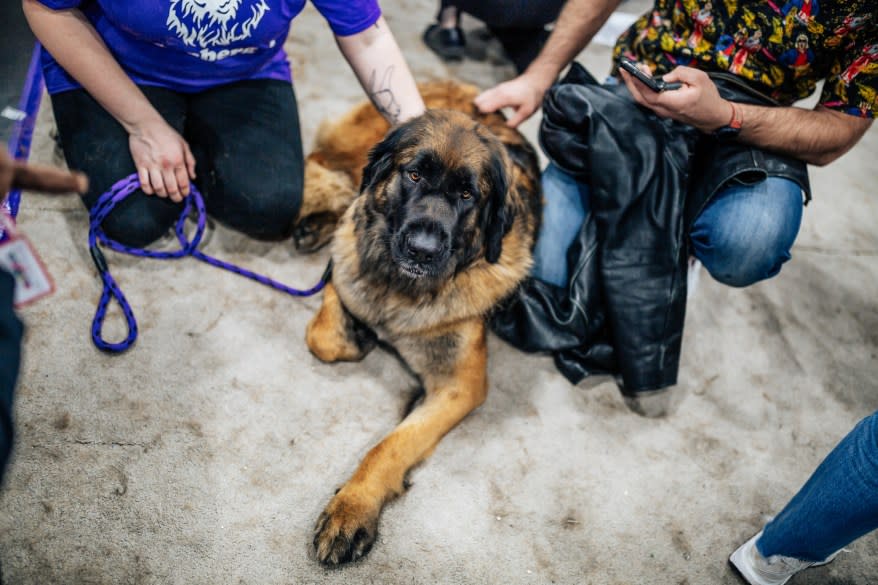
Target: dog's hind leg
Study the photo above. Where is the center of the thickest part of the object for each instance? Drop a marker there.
(334, 335)
(454, 387)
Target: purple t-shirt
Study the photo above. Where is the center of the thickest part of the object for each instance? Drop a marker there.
(191, 45)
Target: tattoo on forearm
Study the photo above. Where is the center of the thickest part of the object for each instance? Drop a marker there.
(382, 96)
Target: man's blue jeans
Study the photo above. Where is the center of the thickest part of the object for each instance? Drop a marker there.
(837, 505)
(743, 235)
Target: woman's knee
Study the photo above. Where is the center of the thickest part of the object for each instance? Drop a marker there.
(264, 210)
(140, 220)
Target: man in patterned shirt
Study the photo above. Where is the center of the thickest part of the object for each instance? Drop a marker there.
(744, 233)
(782, 51)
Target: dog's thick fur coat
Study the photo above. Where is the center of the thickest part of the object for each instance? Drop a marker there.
(442, 231)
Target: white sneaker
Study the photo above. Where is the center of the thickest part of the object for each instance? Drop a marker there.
(774, 570)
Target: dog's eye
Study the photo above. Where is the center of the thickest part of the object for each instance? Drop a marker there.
(466, 194)
(415, 176)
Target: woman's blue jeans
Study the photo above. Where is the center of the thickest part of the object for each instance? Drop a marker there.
(837, 505)
(743, 235)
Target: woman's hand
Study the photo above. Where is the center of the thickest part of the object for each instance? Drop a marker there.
(696, 103)
(163, 160)
(164, 163)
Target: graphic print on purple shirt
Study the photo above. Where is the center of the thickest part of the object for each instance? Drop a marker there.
(192, 45)
(212, 28)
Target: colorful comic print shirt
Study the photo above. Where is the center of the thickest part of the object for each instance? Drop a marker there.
(193, 45)
(782, 48)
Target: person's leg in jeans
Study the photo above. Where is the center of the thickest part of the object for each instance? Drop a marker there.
(95, 143)
(837, 505)
(564, 209)
(745, 232)
(248, 144)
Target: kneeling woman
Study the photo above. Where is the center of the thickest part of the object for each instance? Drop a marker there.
(163, 89)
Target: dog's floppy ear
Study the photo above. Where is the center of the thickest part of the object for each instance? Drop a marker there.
(382, 159)
(498, 215)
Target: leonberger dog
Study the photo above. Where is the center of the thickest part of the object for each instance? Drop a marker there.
(441, 231)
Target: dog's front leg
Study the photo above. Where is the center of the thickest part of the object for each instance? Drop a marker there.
(333, 334)
(347, 528)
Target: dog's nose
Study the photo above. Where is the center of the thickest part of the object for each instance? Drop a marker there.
(423, 246)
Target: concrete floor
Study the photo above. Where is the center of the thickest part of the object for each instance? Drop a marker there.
(206, 453)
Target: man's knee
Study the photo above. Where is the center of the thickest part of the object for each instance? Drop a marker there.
(745, 272)
(738, 256)
(746, 232)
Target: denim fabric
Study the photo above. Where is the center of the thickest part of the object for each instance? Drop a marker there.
(565, 204)
(746, 231)
(837, 505)
(742, 236)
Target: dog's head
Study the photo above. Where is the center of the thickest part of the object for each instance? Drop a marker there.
(436, 190)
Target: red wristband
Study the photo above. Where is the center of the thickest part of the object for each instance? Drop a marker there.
(737, 119)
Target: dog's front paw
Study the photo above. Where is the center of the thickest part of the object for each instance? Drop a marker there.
(346, 529)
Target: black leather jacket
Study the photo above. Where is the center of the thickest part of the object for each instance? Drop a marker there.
(623, 310)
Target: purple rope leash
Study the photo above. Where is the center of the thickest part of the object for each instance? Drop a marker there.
(23, 131)
(99, 212)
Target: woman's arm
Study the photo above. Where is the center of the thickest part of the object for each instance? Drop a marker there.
(381, 69)
(161, 156)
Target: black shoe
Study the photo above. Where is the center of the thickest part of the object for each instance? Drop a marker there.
(447, 43)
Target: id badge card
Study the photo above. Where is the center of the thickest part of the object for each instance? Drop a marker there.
(18, 257)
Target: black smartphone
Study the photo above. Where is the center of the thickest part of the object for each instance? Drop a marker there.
(653, 83)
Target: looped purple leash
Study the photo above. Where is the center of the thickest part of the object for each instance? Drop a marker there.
(99, 212)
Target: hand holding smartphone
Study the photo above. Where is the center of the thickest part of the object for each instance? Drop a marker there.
(654, 83)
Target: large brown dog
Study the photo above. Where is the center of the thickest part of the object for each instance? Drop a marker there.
(442, 230)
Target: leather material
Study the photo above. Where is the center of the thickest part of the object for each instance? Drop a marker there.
(623, 310)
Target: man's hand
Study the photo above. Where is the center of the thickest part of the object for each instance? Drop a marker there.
(697, 103)
(163, 160)
(817, 136)
(524, 95)
(19, 175)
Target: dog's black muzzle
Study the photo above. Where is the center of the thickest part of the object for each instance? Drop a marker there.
(422, 246)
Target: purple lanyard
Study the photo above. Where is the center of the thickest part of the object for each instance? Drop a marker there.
(99, 212)
(23, 132)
